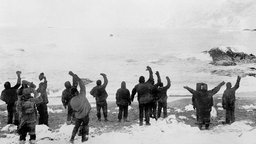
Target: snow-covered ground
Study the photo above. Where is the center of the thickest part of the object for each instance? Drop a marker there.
(163, 131)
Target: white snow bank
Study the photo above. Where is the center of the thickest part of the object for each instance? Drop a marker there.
(193, 116)
(213, 113)
(163, 131)
(220, 108)
(219, 104)
(50, 110)
(177, 110)
(9, 128)
(189, 107)
(249, 107)
(183, 117)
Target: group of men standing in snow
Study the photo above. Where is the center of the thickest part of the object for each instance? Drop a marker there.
(202, 100)
(23, 107)
(152, 99)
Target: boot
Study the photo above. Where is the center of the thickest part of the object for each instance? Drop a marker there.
(141, 123)
(84, 138)
(71, 140)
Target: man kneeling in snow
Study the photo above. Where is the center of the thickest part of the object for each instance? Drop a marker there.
(81, 108)
(26, 107)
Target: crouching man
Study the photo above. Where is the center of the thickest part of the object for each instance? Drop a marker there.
(81, 108)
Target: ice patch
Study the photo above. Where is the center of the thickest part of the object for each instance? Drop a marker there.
(189, 107)
(193, 116)
(183, 117)
(178, 110)
(219, 104)
(54, 111)
(213, 113)
(220, 108)
(250, 107)
(9, 128)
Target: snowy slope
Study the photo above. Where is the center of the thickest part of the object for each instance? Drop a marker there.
(163, 131)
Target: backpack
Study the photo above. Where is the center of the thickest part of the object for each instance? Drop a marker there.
(28, 107)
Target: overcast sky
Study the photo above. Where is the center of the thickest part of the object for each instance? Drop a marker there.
(128, 13)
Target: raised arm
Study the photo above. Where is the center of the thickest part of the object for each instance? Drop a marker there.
(217, 88)
(18, 80)
(168, 83)
(134, 90)
(75, 82)
(158, 79)
(192, 91)
(105, 83)
(150, 79)
(80, 82)
(237, 83)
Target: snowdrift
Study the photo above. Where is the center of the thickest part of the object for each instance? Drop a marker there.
(163, 131)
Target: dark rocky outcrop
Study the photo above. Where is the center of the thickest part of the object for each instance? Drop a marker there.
(229, 57)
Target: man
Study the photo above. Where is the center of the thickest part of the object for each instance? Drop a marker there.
(9, 96)
(26, 106)
(145, 98)
(81, 107)
(228, 100)
(204, 102)
(154, 92)
(162, 94)
(100, 94)
(122, 101)
(42, 107)
(66, 97)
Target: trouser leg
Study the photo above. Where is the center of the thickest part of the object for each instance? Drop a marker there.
(120, 112)
(40, 114)
(228, 116)
(105, 111)
(98, 111)
(146, 110)
(76, 127)
(154, 105)
(23, 132)
(10, 110)
(45, 114)
(125, 112)
(141, 110)
(85, 127)
(69, 114)
(232, 115)
(159, 109)
(165, 109)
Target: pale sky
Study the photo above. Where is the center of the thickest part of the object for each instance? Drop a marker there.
(128, 13)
